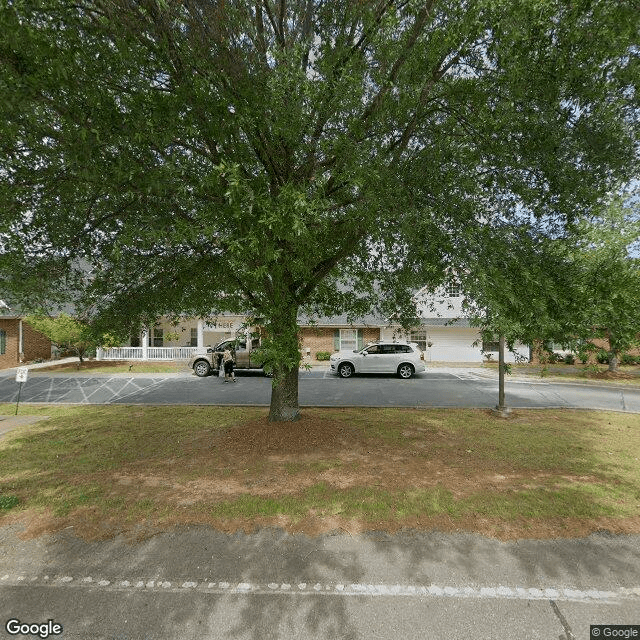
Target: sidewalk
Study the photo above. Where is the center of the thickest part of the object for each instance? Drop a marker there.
(196, 583)
(7, 423)
(11, 372)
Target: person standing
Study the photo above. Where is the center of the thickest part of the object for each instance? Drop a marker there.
(228, 364)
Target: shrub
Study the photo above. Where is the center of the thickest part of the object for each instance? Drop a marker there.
(591, 368)
(629, 359)
(583, 356)
(323, 355)
(569, 359)
(8, 502)
(602, 357)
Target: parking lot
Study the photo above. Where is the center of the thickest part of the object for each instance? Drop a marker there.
(433, 388)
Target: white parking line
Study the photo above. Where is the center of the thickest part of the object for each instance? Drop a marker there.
(117, 394)
(492, 592)
(50, 389)
(84, 395)
(100, 387)
(120, 396)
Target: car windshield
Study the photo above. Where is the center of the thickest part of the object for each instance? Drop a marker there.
(231, 344)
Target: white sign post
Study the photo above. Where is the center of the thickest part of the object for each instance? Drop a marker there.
(22, 373)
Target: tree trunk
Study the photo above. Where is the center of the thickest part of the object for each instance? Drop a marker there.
(284, 395)
(613, 352)
(501, 375)
(283, 340)
(501, 408)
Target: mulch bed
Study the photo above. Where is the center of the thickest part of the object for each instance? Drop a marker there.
(307, 435)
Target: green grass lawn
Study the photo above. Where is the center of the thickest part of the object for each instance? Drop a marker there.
(626, 375)
(106, 469)
(115, 366)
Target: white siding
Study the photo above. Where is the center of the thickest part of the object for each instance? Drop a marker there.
(522, 353)
(439, 305)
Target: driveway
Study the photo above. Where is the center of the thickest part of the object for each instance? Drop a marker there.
(434, 388)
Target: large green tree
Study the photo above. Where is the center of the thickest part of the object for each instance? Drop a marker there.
(523, 284)
(533, 285)
(268, 156)
(607, 248)
(65, 332)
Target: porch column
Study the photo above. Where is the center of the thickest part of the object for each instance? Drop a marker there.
(145, 343)
(20, 341)
(200, 333)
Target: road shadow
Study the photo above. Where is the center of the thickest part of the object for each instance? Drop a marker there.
(159, 588)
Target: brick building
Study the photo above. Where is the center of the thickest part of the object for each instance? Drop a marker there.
(19, 342)
(336, 333)
(442, 332)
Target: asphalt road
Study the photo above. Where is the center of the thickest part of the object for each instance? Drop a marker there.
(195, 583)
(434, 388)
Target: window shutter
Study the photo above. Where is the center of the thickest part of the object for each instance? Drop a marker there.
(336, 339)
(3, 341)
(360, 339)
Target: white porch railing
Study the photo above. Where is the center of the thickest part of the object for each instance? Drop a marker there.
(152, 353)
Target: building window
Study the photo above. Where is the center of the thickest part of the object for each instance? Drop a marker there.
(452, 289)
(490, 346)
(347, 339)
(420, 337)
(3, 342)
(194, 338)
(158, 336)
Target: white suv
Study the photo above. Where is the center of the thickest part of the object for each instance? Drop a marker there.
(401, 358)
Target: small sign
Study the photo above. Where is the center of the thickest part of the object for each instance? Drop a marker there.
(22, 373)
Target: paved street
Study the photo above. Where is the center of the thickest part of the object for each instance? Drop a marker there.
(434, 388)
(194, 583)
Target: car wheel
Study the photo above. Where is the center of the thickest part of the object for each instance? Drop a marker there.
(345, 370)
(405, 371)
(201, 368)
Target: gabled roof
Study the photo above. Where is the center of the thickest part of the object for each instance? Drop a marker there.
(8, 312)
(445, 322)
(368, 320)
(372, 320)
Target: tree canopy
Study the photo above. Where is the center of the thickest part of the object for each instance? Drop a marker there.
(606, 248)
(530, 285)
(66, 332)
(524, 284)
(270, 156)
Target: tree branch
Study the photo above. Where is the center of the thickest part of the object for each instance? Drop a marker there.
(401, 144)
(416, 31)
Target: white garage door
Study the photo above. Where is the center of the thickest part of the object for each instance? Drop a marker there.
(453, 345)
